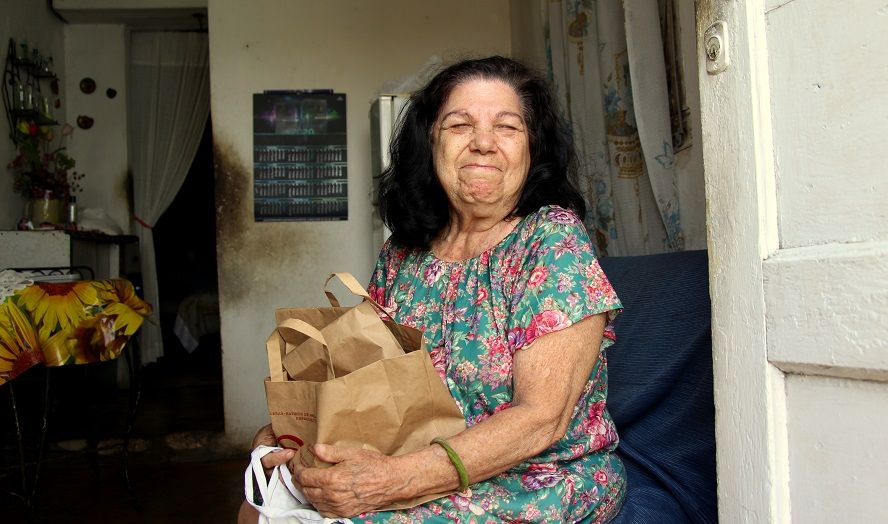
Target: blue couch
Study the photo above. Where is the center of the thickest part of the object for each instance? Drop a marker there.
(660, 376)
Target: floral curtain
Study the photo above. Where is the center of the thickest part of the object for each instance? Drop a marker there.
(597, 54)
(169, 103)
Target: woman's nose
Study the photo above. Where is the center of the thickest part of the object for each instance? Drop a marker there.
(483, 140)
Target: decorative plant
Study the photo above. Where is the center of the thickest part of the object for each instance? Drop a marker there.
(42, 168)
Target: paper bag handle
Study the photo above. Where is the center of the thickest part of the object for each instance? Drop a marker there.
(352, 284)
(275, 363)
(301, 326)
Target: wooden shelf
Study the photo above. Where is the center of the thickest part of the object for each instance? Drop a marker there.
(19, 72)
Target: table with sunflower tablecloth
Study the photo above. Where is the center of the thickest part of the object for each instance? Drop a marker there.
(58, 324)
(63, 324)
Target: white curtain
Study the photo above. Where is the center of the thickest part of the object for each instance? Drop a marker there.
(616, 98)
(168, 106)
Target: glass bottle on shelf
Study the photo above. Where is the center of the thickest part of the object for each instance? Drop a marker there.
(18, 101)
(72, 212)
(29, 102)
(45, 107)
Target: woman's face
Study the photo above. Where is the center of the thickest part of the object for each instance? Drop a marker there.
(481, 147)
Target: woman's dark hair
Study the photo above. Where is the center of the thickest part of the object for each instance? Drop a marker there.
(412, 202)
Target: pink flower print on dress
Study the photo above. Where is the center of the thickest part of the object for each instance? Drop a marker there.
(439, 360)
(465, 503)
(595, 426)
(546, 322)
(433, 272)
(377, 294)
(482, 295)
(592, 269)
(537, 276)
(600, 283)
(496, 361)
(577, 450)
(512, 266)
(540, 476)
(516, 338)
(567, 245)
(504, 405)
(564, 283)
(419, 311)
(601, 476)
(486, 414)
(532, 513)
(562, 216)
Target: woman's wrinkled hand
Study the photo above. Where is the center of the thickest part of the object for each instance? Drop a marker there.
(360, 481)
(266, 437)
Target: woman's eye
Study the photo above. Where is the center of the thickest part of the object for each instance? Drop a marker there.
(507, 129)
(459, 128)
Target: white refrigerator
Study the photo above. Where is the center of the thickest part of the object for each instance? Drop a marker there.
(385, 113)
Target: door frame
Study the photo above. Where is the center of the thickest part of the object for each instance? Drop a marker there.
(749, 393)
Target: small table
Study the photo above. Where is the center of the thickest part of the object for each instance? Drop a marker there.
(62, 324)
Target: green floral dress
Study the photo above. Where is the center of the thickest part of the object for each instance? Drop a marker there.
(475, 315)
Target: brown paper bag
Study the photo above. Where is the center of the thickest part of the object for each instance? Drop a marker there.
(358, 328)
(394, 405)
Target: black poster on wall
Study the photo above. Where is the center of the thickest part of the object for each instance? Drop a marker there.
(300, 169)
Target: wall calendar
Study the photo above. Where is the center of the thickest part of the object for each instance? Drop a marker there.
(300, 156)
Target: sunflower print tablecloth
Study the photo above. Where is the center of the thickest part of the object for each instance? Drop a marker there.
(58, 324)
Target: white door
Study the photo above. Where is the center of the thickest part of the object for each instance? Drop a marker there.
(795, 129)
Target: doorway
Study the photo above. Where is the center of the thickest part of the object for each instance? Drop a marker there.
(185, 385)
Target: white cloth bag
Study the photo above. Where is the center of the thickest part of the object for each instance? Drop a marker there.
(282, 502)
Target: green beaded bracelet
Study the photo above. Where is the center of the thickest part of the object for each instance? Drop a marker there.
(457, 462)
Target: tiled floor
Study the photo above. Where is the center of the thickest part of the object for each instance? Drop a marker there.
(179, 471)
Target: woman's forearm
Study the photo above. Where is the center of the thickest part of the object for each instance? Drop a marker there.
(506, 439)
(543, 403)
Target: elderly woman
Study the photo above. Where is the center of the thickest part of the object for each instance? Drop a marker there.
(489, 258)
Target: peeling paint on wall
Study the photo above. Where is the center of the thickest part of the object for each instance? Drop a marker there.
(232, 186)
(251, 255)
(232, 218)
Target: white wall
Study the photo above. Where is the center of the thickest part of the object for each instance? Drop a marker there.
(99, 52)
(33, 22)
(528, 24)
(351, 47)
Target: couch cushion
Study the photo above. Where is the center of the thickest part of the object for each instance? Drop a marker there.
(660, 380)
